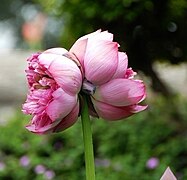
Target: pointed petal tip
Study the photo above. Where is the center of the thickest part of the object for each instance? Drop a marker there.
(168, 175)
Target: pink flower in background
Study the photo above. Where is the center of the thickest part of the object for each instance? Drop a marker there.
(2, 166)
(49, 174)
(152, 163)
(109, 83)
(40, 169)
(54, 83)
(24, 161)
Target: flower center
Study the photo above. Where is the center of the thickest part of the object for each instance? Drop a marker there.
(88, 87)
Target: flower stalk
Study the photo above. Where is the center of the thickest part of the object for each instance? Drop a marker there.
(88, 142)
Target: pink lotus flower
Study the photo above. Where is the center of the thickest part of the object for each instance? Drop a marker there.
(94, 68)
(112, 90)
(54, 83)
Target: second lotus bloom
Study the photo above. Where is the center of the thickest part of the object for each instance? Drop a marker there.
(109, 83)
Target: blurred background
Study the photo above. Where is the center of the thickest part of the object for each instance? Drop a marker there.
(153, 33)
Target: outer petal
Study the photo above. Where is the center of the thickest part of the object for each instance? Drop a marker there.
(101, 61)
(43, 130)
(122, 65)
(121, 92)
(67, 74)
(47, 59)
(58, 125)
(105, 35)
(69, 120)
(58, 51)
(48, 56)
(79, 47)
(168, 175)
(110, 112)
(61, 105)
(89, 35)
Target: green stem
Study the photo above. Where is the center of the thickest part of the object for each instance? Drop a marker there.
(88, 143)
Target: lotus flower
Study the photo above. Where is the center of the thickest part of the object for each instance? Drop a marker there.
(94, 68)
(112, 91)
(54, 83)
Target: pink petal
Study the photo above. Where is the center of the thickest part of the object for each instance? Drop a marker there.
(110, 112)
(122, 65)
(130, 73)
(101, 60)
(120, 92)
(48, 56)
(137, 108)
(57, 125)
(46, 59)
(168, 175)
(79, 47)
(57, 51)
(61, 105)
(105, 35)
(41, 120)
(67, 74)
(43, 130)
(69, 120)
(89, 35)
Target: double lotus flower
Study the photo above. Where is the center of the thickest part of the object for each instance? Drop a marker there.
(93, 68)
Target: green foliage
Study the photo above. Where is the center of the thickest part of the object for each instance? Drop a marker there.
(179, 7)
(122, 148)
